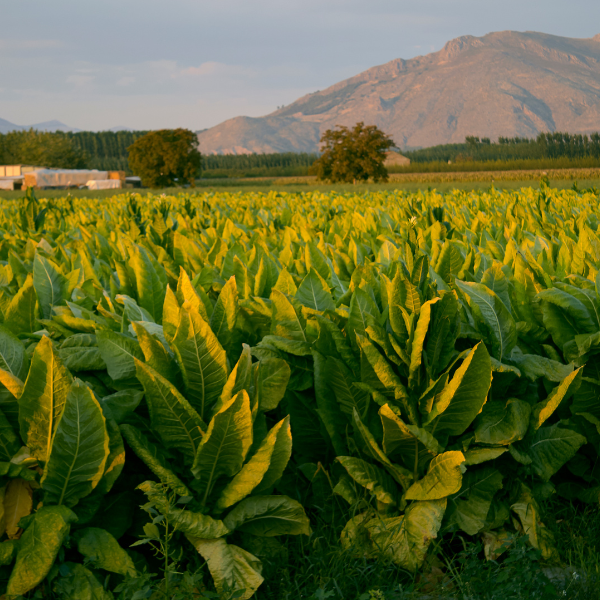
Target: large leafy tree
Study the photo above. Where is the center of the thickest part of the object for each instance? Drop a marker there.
(351, 155)
(165, 157)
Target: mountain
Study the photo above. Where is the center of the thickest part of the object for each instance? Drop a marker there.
(7, 126)
(502, 84)
(52, 126)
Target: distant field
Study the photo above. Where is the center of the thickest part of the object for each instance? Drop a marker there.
(443, 182)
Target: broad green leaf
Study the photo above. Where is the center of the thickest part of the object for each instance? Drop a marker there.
(413, 445)
(171, 415)
(534, 366)
(18, 502)
(464, 395)
(372, 449)
(382, 368)
(150, 282)
(528, 511)
(21, 314)
(13, 384)
(267, 516)
(287, 319)
(13, 359)
(170, 315)
(148, 453)
(133, 311)
(122, 403)
(314, 292)
(564, 315)
(363, 314)
(43, 399)
(224, 315)
(187, 293)
(202, 360)
(38, 548)
(417, 343)
(230, 567)
(78, 583)
(469, 507)
(493, 318)
(340, 381)
(328, 409)
(253, 472)
(240, 378)
(477, 455)
(372, 478)
(282, 344)
(432, 394)
(444, 477)
(115, 461)
(80, 353)
(13, 369)
(273, 377)
(244, 279)
(155, 353)
(80, 447)
(551, 447)
(10, 443)
(399, 307)
(285, 283)
(543, 410)
(443, 331)
(119, 352)
(337, 344)
(50, 285)
(502, 423)
(186, 521)
(406, 539)
(8, 551)
(280, 457)
(103, 551)
(315, 260)
(225, 444)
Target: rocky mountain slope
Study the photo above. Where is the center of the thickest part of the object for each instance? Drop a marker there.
(502, 84)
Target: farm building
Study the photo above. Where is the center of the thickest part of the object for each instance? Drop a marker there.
(68, 178)
(16, 177)
(11, 176)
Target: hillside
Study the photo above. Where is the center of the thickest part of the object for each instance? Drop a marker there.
(502, 84)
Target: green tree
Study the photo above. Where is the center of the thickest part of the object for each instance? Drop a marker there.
(355, 154)
(166, 157)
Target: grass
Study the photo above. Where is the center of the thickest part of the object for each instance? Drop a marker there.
(320, 569)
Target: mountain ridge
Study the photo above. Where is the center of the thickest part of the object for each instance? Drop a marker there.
(504, 83)
(53, 125)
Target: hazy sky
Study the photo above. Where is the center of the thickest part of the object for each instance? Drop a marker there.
(149, 64)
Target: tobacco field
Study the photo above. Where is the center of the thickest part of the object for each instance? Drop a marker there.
(189, 383)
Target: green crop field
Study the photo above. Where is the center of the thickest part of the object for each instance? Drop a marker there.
(366, 394)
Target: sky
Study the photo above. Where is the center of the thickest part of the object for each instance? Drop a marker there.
(151, 64)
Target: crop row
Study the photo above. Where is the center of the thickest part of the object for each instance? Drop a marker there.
(432, 361)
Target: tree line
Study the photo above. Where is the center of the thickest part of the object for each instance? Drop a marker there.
(108, 150)
(545, 145)
(103, 150)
